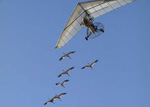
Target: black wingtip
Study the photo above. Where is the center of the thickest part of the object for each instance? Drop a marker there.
(72, 67)
(60, 59)
(82, 68)
(66, 80)
(64, 93)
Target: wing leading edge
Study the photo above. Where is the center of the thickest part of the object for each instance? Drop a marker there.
(91, 8)
(72, 27)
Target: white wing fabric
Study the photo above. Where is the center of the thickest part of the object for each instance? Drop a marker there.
(91, 9)
(98, 8)
(73, 26)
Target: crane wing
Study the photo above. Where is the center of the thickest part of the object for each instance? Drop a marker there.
(91, 8)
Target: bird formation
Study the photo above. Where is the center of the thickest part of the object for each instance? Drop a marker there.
(67, 73)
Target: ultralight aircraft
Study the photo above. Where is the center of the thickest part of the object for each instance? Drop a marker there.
(84, 15)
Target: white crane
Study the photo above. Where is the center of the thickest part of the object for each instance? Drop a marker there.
(66, 72)
(62, 84)
(66, 55)
(54, 98)
(90, 65)
(58, 96)
(51, 100)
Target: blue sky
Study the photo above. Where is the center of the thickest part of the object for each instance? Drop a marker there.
(29, 62)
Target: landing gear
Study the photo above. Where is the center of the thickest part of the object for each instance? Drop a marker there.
(88, 35)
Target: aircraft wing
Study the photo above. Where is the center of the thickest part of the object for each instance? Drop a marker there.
(91, 8)
(98, 8)
(72, 27)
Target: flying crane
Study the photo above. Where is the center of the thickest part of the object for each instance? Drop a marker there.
(66, 55)
(90, 65)
(51, 100)
(54, 98)
(84, 15)
(66, 72)
(58, 96)
(62, 84)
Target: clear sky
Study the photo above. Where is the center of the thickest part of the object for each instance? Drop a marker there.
(29, 62)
